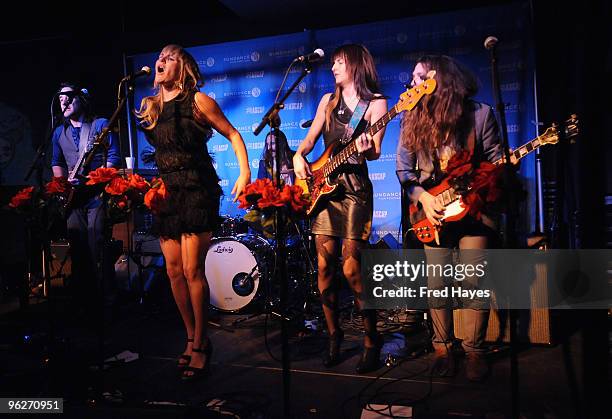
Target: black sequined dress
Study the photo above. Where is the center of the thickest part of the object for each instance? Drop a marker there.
(186, 167)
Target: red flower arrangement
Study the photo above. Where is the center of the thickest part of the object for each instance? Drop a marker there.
(23, 198)
(121, 192)
(262, 197)
(156, 195)
(102, 175)
(58, 186)
(478, 184)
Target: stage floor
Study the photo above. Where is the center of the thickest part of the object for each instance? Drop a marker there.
(247, 382)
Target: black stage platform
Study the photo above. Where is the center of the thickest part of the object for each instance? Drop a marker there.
(246, 382)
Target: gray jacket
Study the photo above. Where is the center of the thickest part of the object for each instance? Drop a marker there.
(413, 171)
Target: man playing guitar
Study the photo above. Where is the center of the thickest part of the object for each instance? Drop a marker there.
(85, 225)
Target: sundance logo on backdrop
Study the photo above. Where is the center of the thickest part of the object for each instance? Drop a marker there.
(377, 176)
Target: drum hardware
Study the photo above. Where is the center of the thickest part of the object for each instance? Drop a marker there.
(243, 283)
(231, 226)
(239, 269)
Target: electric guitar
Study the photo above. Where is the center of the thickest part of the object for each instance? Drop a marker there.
(319, 185)
(80, 193)
(456, 209)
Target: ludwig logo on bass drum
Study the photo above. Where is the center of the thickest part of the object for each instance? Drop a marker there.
(223, 249)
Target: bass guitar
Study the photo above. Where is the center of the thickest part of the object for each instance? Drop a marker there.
(319, 185)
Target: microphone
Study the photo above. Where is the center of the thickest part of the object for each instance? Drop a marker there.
(313, 57)
(144, 71)
(490, 42)
(307, 124)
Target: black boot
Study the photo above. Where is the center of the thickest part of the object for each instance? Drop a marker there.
(370, 357)
(332, 356)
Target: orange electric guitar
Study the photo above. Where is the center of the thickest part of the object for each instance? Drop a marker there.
(319, 185)
(456, 209)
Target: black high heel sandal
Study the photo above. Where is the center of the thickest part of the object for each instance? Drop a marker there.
(370, 357)
(332, 356)
(193, 373)
(186, 358)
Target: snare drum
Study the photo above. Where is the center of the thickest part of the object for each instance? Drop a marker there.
(238, 270)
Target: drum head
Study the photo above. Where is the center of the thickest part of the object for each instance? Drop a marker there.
(233, 273)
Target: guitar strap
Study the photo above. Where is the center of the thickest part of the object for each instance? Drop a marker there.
(470, 143)
(471, 140)
(356, 119)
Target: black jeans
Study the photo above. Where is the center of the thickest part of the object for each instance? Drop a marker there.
(85, 230)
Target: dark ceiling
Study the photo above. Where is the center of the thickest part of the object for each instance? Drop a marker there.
(139, 26)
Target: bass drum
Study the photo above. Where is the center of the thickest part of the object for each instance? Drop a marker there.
(237, 269)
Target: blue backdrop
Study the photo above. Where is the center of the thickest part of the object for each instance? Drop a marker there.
(243, 78)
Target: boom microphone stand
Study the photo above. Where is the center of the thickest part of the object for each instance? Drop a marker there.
(101, 145)
(510, 241)
(272, 119)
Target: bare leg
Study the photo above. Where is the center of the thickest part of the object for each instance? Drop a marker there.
(193, 254)
(174, 268)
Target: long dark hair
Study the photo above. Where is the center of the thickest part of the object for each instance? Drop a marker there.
(360, 65)
(441, 119)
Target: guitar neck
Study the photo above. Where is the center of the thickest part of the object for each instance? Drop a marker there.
(75, 171)
(449, 194)
(522, 151)
(351, 148)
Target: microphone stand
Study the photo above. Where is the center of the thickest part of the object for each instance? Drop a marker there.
(100, 144)
(272, 119)
(45, 247)
(510, 241)
(37, 165)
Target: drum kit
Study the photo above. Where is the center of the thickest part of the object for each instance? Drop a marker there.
(240, 266)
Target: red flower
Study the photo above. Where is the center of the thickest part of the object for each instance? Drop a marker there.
(138, 183)
(248, 200)
(156, 195)
(102, 175)
(260, 185)
(253, 192)
(58, 185)
(484, 188)
(270, 197)
(122, 202)
(458, 159)
(298, 203)
(117, 186)
(22, 198)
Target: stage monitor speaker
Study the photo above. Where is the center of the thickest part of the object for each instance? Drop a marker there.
(61, 262)
(534, 325)
(138, 224)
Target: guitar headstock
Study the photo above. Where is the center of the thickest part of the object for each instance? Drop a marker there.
(550, 136)
(410, 98)
(572, 129)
